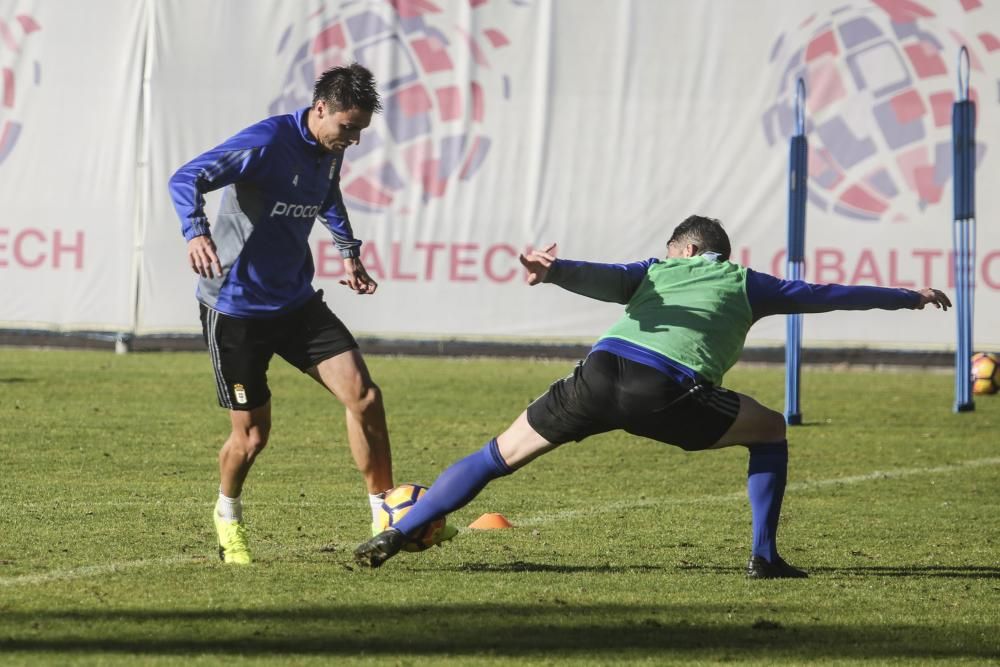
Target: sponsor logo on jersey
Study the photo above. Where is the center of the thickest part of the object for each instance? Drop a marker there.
(294, 210)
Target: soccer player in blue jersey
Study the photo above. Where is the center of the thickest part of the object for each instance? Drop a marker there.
(255, 287)
(657, 373)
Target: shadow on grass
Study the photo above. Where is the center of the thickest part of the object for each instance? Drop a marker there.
(583, 632)
(947, 571)
(930, 571)
(16, 380)
(523, 566)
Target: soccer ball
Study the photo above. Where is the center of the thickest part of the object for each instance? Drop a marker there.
(985, 373)
(397, 503)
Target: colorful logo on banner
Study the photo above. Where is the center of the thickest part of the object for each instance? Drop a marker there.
(881, 78)
(13, 33)
(430, 133)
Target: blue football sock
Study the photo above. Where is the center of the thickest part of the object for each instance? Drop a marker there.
(455, 487)
(766, 478)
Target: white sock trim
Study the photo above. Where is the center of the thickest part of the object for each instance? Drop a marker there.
(229, 509)
(375, 502)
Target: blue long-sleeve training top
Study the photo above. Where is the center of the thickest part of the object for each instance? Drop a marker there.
(277, 181)
(766, 295)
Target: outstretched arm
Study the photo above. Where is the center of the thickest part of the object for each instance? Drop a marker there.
(538, 263)
(933, 296)
(773, 296)
(604, 282)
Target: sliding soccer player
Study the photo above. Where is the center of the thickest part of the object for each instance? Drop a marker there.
(657, 374)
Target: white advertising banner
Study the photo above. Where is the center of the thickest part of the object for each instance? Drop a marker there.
(597, 124)
(70, 81)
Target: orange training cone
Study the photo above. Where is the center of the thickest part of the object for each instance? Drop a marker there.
(491, 521)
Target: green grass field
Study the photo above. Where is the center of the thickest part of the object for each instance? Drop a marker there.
(623, 551)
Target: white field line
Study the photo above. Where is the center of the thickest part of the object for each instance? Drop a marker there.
(94, 570)
(897, 473)
(205, 502)
(113, 568)
(542, 518)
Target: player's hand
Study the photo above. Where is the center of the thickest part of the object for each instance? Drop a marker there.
(357, 278)
(934, 296)
(538, 262)
(202, 257)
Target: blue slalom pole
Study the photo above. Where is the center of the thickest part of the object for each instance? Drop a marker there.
(798, 172)
(963, 134)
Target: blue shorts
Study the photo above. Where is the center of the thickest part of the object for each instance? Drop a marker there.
(607, 392)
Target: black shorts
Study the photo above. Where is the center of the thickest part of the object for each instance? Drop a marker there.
(607, 392)
(241, 348)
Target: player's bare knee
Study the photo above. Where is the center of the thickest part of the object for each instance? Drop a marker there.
(250, 443)
(775, 428)
(256, 443)
(366, 401)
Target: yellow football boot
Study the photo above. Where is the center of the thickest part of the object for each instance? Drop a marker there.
(232, 540)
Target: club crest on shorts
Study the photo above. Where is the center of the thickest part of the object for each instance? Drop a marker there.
(240, 393)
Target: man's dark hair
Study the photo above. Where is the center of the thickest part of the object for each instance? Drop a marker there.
(345, 88)
(706, 233)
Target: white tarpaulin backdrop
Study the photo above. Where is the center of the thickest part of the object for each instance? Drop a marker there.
(597, 124)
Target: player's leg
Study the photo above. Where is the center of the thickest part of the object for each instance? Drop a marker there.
(457, 486)
(566, 412)
(346, 376)
(463, 480)
(762, 431)
(240, 352)
(754, 424)
(316, 342)
(248, 437)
